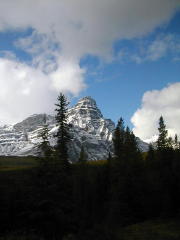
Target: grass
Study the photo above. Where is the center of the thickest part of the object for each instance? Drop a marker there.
(151, 230)
(20, 237)
(17, 163)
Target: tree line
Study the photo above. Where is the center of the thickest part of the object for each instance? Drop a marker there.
(91, 199)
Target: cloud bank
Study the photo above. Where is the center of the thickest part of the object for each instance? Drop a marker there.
(63, 32)
(151, 50)
(165, 102)
(25, 90)
(159, 48)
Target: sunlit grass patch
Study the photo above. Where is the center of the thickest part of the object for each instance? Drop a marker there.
(152, 230)
(17, 163)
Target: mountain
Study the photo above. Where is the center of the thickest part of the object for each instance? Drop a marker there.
(87, 128)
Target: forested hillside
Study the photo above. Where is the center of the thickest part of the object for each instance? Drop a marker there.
(51, 198)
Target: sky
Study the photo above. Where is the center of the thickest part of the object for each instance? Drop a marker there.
(123, 53)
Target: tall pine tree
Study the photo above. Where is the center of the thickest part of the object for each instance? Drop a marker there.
(118, 139)
(63, 136)
(176, 142)
(44, 146)
(131, 149)
(162, 142)
(82, 155)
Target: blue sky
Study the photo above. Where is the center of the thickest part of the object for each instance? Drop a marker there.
(119, 86)
(124, 54)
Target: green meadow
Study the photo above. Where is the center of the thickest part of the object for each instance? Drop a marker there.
(8, 163)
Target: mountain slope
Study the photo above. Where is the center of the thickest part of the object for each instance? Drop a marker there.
(88, 128)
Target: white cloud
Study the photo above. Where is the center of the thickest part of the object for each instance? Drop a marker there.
(19, 91)
(64, 31)
(165, 102)
(153, 50)
(44, 50)
(163, 45)
(85, 26)
(157, 50)
(68, 77)
(7, 55)
(25, 90)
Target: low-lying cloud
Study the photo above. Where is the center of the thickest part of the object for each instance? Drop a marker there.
(165, 102)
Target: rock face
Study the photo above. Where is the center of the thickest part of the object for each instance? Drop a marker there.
(88, 128)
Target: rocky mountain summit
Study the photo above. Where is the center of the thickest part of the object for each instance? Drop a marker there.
(88, 128)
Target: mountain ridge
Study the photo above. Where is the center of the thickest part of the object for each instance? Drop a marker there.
(88, 128)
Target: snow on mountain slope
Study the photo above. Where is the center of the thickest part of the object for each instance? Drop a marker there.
(88, 128)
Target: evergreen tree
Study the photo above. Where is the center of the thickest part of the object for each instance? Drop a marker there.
(170, 143)
(125, 180)
(118, 139)
(44, 146)
(109, 157)
(83, 155)
(162, 141)
(63, 136)
(176, 143)
(165, 158)
(131, 149)
(150, 158)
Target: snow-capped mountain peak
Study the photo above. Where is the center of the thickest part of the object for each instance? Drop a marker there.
(88, 129)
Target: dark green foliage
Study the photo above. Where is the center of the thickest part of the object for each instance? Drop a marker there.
(176, 142)
(36, 202)
(109, 159)
(125, 143)
(131, 150)
(44, 146)
(125, 178)
(118, 139)
(63, 136)
(151, 156)
(162, 141)
(83, 155)
(161, 172)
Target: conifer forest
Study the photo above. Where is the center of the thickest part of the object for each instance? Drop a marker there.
(56, 199)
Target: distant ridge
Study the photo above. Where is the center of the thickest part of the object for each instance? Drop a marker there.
(88, 128)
